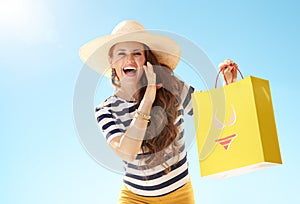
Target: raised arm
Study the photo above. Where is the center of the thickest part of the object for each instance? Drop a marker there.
(128, 145)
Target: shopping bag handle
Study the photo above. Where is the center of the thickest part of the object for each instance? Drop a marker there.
(222, 70)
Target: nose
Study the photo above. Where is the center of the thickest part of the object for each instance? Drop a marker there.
(130, 58)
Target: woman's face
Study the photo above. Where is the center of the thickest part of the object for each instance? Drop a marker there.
(128, 59)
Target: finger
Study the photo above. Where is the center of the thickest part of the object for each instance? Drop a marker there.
(227, 71)
(230, 68)
(151, 76)
(145, 69)
(234, 74)
(148, 68)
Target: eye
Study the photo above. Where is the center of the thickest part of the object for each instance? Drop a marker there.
(137, 53)
(121, 53)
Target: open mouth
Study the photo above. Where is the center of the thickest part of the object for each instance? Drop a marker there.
(130, 71)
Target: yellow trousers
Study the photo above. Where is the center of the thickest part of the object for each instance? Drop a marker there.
(183, 195)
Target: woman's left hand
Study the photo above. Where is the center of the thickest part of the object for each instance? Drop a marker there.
(229, 70)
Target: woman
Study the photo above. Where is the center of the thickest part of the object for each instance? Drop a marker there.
(143, 120)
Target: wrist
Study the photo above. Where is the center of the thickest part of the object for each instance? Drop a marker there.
(139, 114)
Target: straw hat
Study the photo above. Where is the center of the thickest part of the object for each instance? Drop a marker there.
(95, 52)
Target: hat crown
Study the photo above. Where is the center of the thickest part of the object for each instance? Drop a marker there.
(128, 26)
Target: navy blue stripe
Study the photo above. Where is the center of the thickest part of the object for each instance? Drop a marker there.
(113, 104)
(132, 166)
(188, 97)
(140, 156)
(180, 112)
(116, 122)
(159, 186)
(107, 125)
(159, 174)
(191, 112)
(114, 131)
(124, 111)
(179, 122)
(127, 122)
(180, 135)
(182, 148)
(116, 103)
(101, 117)
(145, 167)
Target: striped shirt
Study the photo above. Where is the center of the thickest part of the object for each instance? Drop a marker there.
(114, 115)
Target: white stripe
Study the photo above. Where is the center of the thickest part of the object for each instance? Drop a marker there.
(101, 112)
(122, 104)
(184, 92)
(114, 136)
(159, 180)
(104, 107)
(188, 107)
(125, 117)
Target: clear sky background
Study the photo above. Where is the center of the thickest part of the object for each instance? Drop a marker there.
(42, 158)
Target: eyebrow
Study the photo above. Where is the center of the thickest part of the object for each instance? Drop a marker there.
(122, 49)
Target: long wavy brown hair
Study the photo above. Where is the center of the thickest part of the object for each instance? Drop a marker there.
(159, 143)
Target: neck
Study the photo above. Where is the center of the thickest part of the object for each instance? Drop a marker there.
(126, 92)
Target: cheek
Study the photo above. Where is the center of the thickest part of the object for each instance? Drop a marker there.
(141, 61)
(117, 65)
(116, 62)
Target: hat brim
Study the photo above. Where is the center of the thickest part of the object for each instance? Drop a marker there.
(95, 53)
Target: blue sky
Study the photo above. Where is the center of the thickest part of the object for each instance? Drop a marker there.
(42, 156)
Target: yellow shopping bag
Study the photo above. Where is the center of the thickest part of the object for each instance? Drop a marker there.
(235, 127)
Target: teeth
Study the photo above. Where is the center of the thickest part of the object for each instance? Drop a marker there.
(129, 68)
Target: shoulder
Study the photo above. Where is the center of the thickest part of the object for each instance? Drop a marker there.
(109, 103)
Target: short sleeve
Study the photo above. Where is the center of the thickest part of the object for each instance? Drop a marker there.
(186, 97)
(109, 124)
